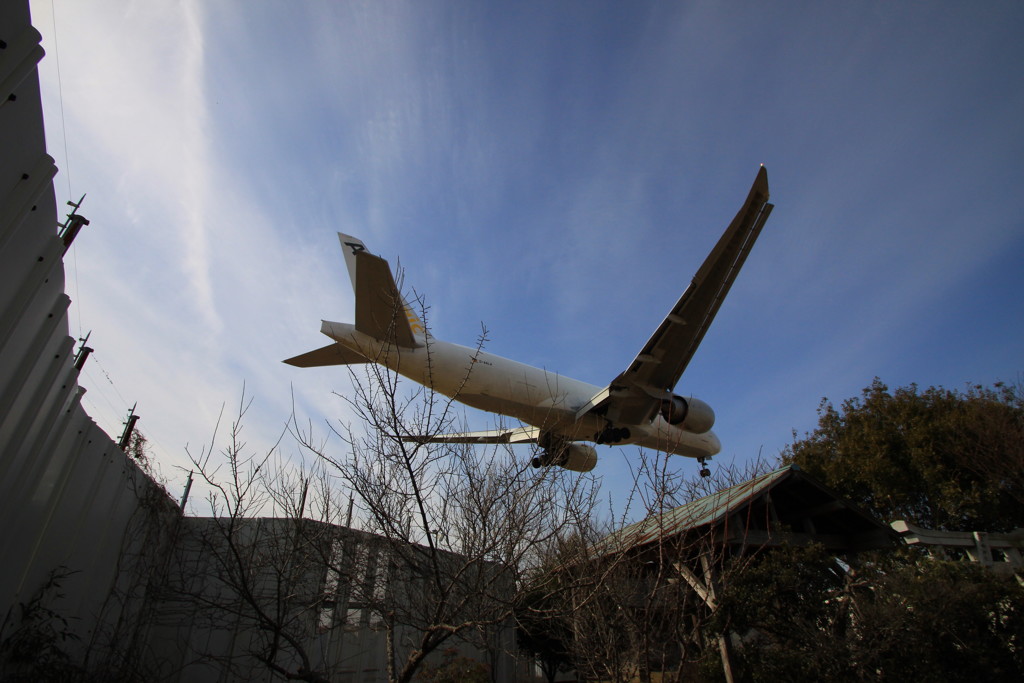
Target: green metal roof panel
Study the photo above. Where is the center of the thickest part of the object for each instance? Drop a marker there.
(698, 513)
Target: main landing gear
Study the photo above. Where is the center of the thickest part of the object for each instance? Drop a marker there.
(704, 471)
(611, 434)
(553, 451)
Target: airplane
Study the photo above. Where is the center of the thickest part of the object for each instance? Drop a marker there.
(639, 406)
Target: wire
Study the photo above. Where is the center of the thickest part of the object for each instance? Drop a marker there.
(78, 305)
(111, 381)
(114, 419)
(159, 452)
(96, 390)
(74, 250)
(60, 98)
(67, 155)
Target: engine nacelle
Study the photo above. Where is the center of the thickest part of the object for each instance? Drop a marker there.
(691, 414)
(579, 457)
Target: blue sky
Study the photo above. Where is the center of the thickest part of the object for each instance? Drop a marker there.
(555, 171)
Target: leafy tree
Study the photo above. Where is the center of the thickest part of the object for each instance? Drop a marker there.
(955, 619)
(803, 617)
(939, 458)
(779, 602)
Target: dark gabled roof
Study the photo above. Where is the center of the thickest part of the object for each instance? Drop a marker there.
(698, 513)
(795, 495)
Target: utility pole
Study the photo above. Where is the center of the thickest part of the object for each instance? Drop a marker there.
(74, 222)
(188, 487)
(83, 352)
(129, 426)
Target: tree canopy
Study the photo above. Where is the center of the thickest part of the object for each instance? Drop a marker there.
(939, 458)
(900, 617)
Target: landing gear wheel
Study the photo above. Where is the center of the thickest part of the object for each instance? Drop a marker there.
(704, 471)
(611, 435)
(535, 462)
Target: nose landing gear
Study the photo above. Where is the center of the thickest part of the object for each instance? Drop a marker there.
(704, 471)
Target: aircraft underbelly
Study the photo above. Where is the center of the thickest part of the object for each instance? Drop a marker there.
(476, 378)
(499, 385)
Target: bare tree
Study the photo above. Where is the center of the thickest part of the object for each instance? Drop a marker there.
(462, 524)
(399, 545)
(452, 542)
(253, 584)
(637, 617)
(643, 599)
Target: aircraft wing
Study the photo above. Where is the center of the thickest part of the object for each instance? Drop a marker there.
(516, 435)
(635, 395)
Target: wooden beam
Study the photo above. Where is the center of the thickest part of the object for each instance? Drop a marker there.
(695, 583)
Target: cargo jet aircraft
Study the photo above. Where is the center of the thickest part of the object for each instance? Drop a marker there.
(637, 407)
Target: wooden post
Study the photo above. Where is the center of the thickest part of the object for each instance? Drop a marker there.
(723, 640)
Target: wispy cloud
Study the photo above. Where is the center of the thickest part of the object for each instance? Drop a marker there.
(555, 171)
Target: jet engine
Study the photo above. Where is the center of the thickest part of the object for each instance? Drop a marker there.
(691, 414)
(579, 457)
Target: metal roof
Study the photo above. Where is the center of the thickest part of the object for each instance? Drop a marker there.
(698, 513)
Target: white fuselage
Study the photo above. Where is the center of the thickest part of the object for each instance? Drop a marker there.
(537, 397)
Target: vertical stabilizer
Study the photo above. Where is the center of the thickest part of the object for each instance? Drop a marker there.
(351, 246)
(381, 310)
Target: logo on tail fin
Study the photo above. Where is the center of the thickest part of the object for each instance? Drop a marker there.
(414, 321)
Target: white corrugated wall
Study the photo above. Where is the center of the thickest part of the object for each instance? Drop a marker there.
(68, 496)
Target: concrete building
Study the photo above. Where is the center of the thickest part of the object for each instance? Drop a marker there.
(250, 595)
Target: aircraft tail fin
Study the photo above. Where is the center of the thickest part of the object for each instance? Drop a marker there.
(350, 246)
(381, 311)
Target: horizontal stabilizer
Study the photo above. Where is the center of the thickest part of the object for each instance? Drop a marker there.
(332, 354)
(517, 435)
